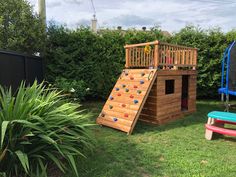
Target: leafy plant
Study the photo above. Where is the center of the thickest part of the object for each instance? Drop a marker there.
(38, 128)
(97, 59)
(73, 88)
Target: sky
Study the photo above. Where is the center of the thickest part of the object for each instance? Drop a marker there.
(170, 15)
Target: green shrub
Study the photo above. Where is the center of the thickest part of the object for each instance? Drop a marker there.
(39, 129)
(73, 88)
(98, 59)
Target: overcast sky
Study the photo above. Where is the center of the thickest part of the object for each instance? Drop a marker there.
(171, 15)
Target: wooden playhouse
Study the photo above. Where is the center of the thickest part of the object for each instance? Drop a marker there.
(158, 85)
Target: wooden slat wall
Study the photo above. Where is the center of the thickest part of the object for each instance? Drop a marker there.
(161, 108)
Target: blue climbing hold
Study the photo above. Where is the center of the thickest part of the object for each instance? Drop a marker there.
(117, 89)
(115, 119)
(135, 101)
(141, 82)
(111, 98)
(127, 90)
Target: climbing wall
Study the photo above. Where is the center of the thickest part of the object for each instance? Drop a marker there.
(127, 98)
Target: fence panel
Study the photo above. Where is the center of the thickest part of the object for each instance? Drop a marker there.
(15, 68)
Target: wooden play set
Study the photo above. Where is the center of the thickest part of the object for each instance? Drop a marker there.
(217, 119)
(157, 85)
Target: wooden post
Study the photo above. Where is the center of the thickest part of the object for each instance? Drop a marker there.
(156, 54)
(42, 11)
(195, 59)
(127, 57)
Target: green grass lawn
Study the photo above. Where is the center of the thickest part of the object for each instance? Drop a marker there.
(176, 149)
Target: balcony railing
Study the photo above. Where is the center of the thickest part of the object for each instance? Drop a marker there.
(160, 55)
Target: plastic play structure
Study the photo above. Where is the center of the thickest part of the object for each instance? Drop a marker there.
(158, 85)
(217, 119)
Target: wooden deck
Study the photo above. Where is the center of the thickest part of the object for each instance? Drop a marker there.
(160, 55)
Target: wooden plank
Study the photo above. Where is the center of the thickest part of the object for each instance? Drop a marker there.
(120, 115)
(176, 72)
(141, 44)
(142, 104)
(112, 125)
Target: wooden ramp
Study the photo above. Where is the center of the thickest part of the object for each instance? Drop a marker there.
(122, 109)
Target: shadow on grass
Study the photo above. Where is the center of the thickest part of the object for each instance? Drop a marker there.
(199, 117)
(117, 155)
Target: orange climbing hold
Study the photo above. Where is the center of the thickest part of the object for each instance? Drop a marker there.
(123, 105)
(126, 115)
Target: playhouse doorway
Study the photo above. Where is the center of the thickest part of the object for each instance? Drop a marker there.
(184, 97)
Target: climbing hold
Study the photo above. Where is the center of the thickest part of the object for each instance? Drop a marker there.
(135, 101)
(141, 82)
(111, 98)
(131, 96)
(126, 115)
(123, 85)
(126, 73)
(102, 114)
(135, 86)
(131, 78)
(127, 90)
(118, 94)
(123, 105)
(142, 74)
(110, 106)
(117, 89)
(139, 91)
(115, 119)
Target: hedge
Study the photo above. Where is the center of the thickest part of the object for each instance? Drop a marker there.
(96, 60)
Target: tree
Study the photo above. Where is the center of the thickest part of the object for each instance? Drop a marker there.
(20, 28)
